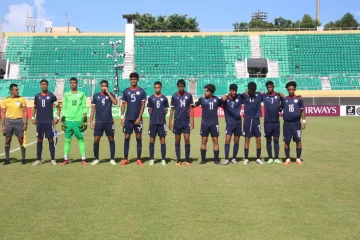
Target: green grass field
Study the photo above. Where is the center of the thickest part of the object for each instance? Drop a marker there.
(318, 200)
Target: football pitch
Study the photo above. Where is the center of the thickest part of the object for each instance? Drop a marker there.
(318, 200)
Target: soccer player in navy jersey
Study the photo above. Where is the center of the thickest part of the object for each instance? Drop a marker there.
(182, 104)
(232, 104)
(272, 102)
(209, 121)
(293, 111)
(157, 106)
(252, 128)
(133, 99)
(43, 118)
(102, 104)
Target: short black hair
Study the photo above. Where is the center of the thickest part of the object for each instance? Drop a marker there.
(181, 82)
(45, 81)
(12, 86)
(233, 86)
(210, 87)
(252, 86)
(269, 83)
(158, 83)
(291, 84)
(73, 79)
(104, 81)
(134, 75)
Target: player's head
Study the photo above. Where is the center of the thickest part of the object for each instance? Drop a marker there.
(209, 90)
(134, 79)
(181, 84)
(44, 84)
(73, 83)
(252, 88)
(270, 86)
(14, 90)
(157, 87)
(291, 87)
(233, 88)
(104, 85)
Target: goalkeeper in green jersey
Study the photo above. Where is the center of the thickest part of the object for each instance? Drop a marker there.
(74, 119)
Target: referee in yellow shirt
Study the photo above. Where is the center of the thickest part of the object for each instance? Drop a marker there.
(14, 119)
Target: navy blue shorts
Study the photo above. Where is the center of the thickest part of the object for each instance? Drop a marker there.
(181, 127)
(129, 127)
(44, 128)
(252, 128)
(272, 129)
(234, 129)
(292, 130)
(209, 129)
(157, 130)
(100, 128)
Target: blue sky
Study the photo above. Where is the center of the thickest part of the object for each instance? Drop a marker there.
(106, 15)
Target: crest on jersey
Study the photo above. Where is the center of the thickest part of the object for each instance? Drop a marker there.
(78, 95)
(276, 97)
(186, 97)
(237, 100)
(137, 93)
(98, 97)
(286, 100)
(228, 100)
(47, 97)
(256, 95)
(39, 97)
(215, 100)
(128, 93)
(107, 97)
(161, 99)
(296, 101)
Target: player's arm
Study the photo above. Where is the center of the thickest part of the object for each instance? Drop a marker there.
(281, 94)
(171, 113)
(34, 110)
(92, 114)
(224, 98)
(112, 98)
(3, 114)
(149, 106)
(58, 110)
(137, 122)
(192, 106)
(198, 103)
(25, 114)
(303, 124)
(64, 112)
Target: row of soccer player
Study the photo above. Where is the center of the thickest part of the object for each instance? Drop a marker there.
(181, 122)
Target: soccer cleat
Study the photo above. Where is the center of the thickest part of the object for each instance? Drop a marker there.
(6, 162)
(163, 162)
(37, 162)
(178, 164)
(113, 162)
(226, 162)
(53, 162)
(203, 162)
(270, 160)
(24, 162)
(124, 162)
(258, 161)
(217, 162)
(64, 162)
(187, 164)
(246, 162)
(151, 162)
(84, 162)
(95, 162)
(234, 161)
(298, 162)
(139, 162)
(277, 161)
(287, 162)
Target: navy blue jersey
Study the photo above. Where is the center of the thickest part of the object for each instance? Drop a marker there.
(103, 106)
(209, 108)
(134, 99)
(44, 107)
(292, 108)
(232, 109)
(182, 105)
(272, 107)
(158, 104)
(252, 105)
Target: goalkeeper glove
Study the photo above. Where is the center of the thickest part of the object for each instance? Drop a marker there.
(63, 124)
(84, 124)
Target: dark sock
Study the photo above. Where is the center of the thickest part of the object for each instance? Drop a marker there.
(52, 150)
(151, 150)
(126, 148)
(139, 147)
(227, 150)
(112, 150)
(298, 153)
(258, 153)
(269, 147)
(39, 147)
(187, 152)
(23, 152)
(7, 153)
(216, 155)
(235, 150)
(96, 150)
(177, 150)
(287, 153)
(163, 151)
(246, 153)
(203, 154)
(276, 148)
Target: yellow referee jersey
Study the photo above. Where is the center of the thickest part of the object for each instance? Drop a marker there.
(14, 107)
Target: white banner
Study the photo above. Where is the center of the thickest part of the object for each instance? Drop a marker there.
(350, 111)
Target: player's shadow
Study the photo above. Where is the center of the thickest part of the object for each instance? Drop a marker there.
(15, 160)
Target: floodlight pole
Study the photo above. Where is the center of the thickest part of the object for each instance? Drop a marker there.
(115, 55)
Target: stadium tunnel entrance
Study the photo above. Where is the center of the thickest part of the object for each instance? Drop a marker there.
(257, 67)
